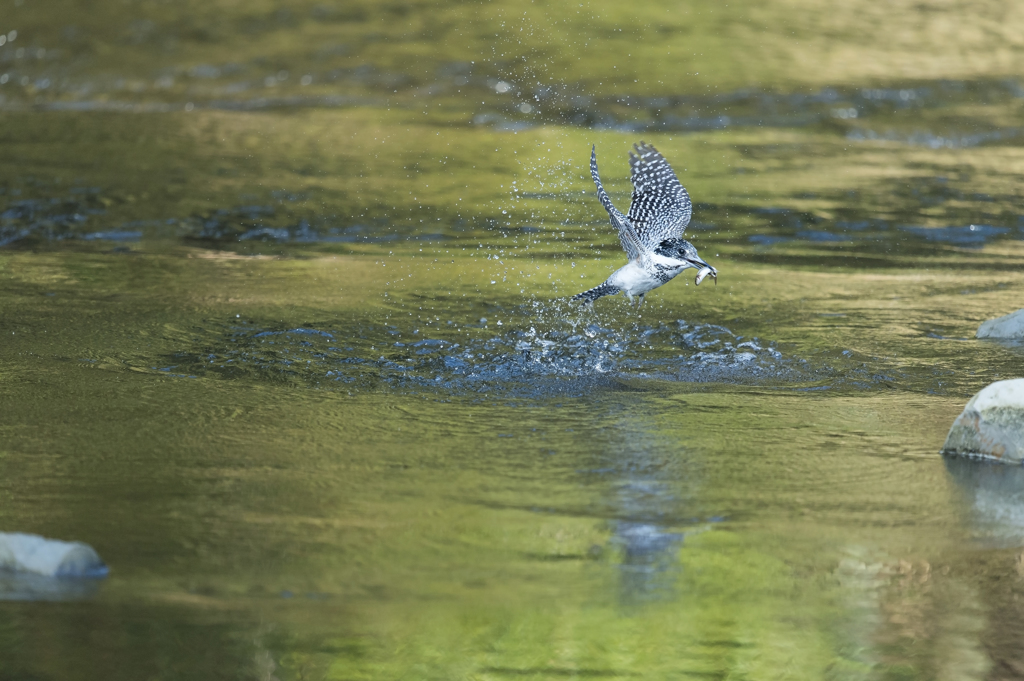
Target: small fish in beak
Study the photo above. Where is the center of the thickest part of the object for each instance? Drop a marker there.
(704, 272)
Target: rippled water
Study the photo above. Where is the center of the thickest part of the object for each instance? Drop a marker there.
(286, 338)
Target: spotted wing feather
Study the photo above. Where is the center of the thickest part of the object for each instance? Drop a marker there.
(660, 208)
(627, 236)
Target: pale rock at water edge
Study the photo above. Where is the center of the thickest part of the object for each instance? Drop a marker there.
(1010, 326)
(48, 557)
(991, 425)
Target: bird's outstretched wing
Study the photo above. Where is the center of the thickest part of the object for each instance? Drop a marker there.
(660, 208)
(627, 236)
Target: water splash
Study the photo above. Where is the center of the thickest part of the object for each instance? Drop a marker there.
(547, 351)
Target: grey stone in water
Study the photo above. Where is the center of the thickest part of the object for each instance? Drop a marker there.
(30, 553)
(1010, 326)
(29, 586)
(991, 425)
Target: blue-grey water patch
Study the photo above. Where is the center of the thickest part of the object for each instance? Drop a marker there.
(968, 235)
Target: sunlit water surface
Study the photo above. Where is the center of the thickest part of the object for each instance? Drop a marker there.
(286, 338)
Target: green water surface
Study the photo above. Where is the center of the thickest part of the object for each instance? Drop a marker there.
(284, 336)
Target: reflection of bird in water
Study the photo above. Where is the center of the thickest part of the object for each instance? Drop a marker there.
(651, 233)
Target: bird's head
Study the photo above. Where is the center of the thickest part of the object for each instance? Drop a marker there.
(686, 254)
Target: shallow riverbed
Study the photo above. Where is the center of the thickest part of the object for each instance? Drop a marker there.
(286, 338)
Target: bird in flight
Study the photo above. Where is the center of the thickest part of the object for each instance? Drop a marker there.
(652, 232)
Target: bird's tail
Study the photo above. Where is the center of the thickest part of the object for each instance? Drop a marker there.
(593, 294)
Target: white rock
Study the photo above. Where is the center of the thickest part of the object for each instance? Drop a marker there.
(991, 425)
(48, 557)
(1010, 326)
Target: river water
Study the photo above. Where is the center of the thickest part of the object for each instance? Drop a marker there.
(286, 338)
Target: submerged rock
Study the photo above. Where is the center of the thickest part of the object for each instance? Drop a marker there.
(1010, 326)
(991, 425)
(995, 498)
(30, 553)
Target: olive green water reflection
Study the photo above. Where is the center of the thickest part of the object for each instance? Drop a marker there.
(257, 521)
(283, 335)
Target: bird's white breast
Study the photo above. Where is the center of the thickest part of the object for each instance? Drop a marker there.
(634, 280)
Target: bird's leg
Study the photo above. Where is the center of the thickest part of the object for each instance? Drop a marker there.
(641, 303)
